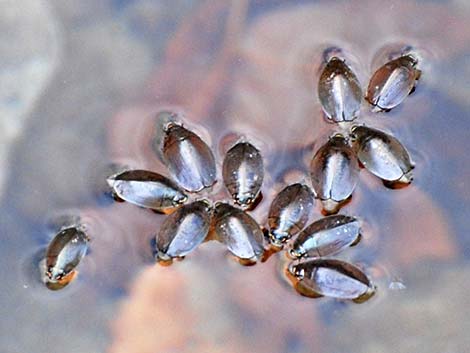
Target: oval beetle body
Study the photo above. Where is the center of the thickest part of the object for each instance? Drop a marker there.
(331, 278)
(243, 173)
(147, 189)
(334, 171)
(383, 155)
(183, 231)
(392, 83)
(289, 212)
(188, 158)
(239, 232)
(65, 252)
(326, 236)
(339, 91)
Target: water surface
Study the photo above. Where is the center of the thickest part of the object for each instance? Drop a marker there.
(248, 68)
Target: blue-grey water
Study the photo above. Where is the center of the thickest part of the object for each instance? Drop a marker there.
(82, 81)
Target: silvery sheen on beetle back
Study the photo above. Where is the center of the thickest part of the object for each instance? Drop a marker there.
(289, 212)
(334, 171)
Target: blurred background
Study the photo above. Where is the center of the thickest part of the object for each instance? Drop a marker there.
(80, 83)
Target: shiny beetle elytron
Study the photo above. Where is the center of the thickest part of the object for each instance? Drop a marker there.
(331, 278)
(334, 171)
(327, 236)
(183, 231)
(289, 212)
(383, 155)
(392, 83)
(64, 253)
(239, 232)
(147, 189)
(243, 173)
(339, 91)
(188, 158)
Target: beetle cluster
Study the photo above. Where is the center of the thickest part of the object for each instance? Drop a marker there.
(335, 166)
(191, 164)
(334, 171)
(192, 220)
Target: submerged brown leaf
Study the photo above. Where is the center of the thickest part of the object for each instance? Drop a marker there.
(420, 230)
